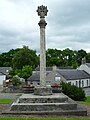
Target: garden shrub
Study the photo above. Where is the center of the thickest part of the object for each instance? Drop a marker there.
(73, 92)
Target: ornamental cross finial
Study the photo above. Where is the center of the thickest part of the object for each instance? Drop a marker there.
(42, 11)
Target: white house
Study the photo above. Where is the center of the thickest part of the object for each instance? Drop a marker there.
(2, 78)
(79, 78)
(85, 67)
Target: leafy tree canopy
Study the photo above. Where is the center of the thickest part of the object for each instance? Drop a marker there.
(24, 57)
(25, 72)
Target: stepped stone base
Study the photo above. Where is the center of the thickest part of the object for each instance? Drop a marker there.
(57, 103)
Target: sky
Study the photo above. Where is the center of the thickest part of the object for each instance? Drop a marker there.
(68, 24)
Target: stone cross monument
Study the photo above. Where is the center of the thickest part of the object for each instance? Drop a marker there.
(42, 90)
(42, 12)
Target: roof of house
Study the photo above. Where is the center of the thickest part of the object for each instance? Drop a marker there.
(5, 70)
(88, 64)
(51, 68)
(36, 76)
(69, 74)
(2, 73)
(47, 69)
(73, 74)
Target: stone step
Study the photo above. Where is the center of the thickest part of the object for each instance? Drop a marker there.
(43, 106)
(77, 112)
(43, 100)
(36, 104)
(55, 98)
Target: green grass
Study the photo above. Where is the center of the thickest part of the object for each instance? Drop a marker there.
(6, 101)
(87, 101)
(44, 118)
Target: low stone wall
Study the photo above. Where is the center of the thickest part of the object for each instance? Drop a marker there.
(30, 89)
(56, 89)
(13, 89)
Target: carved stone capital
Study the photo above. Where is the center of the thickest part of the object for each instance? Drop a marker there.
(42, 11)
(42, 23)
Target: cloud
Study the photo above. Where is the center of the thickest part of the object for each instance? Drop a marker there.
(68, 24)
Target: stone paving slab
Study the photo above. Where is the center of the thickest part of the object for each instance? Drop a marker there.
(54, 95)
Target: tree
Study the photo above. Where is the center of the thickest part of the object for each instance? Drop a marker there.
(6, 58)
(25, 57)
(88, 58)
(25, 72)
(81, 54)
(54, 57)
(16, 81)
(63, 58)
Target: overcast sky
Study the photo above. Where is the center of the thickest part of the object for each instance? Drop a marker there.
(68, 24)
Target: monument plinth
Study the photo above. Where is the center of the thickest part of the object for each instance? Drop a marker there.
(42, 90)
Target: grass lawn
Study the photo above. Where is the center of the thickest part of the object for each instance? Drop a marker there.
(44, 118)
(87, 102)
(6, 101)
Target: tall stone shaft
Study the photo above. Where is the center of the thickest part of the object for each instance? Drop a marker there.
(42, 56)
(42, 12)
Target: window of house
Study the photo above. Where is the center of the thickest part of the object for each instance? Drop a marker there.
(57, 78)
(76, 83)
(38, 83)
(79, 83)
(48, 83)
(69, 82)
(82, 83)
(87, 82)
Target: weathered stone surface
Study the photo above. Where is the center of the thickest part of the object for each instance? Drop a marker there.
(54, 98)
(43, 91)
(43, 106)
(42, 12)
(29, 102)
(56, 103)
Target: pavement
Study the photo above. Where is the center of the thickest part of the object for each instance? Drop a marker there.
(9, 95)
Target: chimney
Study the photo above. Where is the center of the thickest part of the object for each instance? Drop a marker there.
(54, 67)
(83, 60)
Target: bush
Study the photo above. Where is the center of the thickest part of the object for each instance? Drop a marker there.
(73, 92)
(16, 81)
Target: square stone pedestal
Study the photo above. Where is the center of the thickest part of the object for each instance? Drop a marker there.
(42, 91)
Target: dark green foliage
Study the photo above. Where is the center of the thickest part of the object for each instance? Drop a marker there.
(62, 58)
(81, 54)
(25, 57)
(73, 92)
(25, 72)
(6, 58)
(16, 81)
